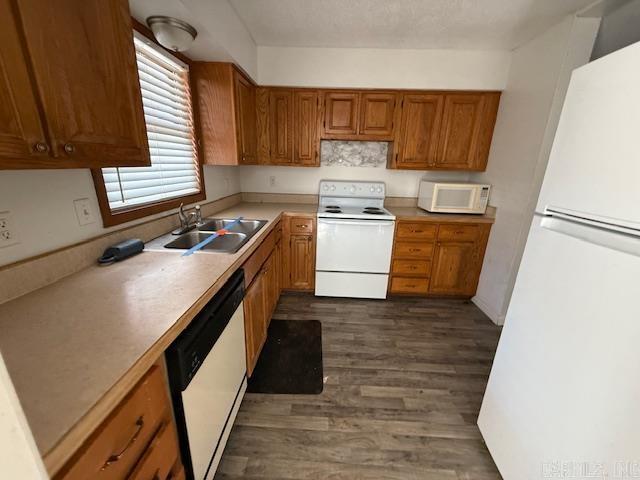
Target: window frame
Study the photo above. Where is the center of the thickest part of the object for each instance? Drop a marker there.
(135, 212)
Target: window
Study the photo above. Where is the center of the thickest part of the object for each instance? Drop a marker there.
(175, 174)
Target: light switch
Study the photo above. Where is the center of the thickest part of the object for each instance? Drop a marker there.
(84, 212)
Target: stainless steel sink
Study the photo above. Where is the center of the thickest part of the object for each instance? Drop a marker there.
(248, 227)
(238, 234)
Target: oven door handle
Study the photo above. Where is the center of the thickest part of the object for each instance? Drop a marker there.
(361, 223)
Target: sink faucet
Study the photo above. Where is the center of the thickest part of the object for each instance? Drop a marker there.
(185, 220)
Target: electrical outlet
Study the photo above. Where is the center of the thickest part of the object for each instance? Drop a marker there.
(8, 235)
(84, 214)
(272, 181)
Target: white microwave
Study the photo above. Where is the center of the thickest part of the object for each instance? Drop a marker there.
(449, 197)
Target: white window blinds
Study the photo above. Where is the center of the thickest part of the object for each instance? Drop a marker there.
(166, 97)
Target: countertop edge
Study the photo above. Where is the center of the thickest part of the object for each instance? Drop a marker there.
(61, 452)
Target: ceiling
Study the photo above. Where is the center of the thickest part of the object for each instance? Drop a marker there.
(459, 24)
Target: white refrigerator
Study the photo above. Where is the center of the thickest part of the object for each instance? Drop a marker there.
(563, 398)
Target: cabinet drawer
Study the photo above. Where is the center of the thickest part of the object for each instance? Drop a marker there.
(416, 231)
(409, 285)
(413, 250)
(411, 267)
(117, 444)
(301, 225)
(458, 232)
(160, 457)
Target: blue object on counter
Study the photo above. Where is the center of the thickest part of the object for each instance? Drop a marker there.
(121, 250)
(208, 240)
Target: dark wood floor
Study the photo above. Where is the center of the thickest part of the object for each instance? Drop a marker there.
(403, 385)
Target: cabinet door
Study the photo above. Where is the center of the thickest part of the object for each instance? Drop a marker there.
(341, 114)
(254, 314)
(246, 120)
(418, 134)
(306, 142)
(271, 288)
(84, 65)
(460, 135)
(454, 266)
(22, 140)
(301, 262)
(377, 112)
(281, 126)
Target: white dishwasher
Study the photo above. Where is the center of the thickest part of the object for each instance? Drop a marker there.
(207, 377)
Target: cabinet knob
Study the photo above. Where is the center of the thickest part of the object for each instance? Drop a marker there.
(41, 147)
(69, 148)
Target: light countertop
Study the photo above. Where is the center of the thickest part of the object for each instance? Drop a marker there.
(74, 348)
(415, 213)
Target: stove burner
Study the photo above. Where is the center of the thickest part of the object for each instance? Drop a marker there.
(373, 212)
(332, 207)
(332, 210)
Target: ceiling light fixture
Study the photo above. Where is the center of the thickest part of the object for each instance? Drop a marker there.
(172, 33)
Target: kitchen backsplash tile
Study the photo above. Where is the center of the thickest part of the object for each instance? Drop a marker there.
(353, 154)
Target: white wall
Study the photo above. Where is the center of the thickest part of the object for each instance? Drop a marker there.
(383, 68)
(526, 124)
(43, 214)
(19, 457)
(399, 183)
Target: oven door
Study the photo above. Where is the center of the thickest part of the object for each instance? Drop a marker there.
(351, 245)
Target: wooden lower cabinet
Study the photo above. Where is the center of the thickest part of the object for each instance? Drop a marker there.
(440, 259)
(299, 253)
(137, 441)
(261, 296)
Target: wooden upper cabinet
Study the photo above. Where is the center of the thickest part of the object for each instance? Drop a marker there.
(84, 64)
(226, 102)
(246, 119)
(417, 137)
(356, 115)
(467, 127)
(281, 126)
(287, 122)
(22, 137)
(85, 81)
(306, 148)
(377, 115)
(341, 114)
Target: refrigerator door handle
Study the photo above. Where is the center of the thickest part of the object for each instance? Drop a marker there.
(597, 235)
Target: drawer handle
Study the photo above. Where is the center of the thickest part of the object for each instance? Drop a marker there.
(415, 250)
(417, 231)
(117, 456)
(412, 267)
(302, 225)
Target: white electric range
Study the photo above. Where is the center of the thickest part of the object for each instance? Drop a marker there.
(355, 239)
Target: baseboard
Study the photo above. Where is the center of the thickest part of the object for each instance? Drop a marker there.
(495, 316)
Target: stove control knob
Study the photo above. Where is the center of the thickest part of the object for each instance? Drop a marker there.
(325, 187)
(372, 189)
(333, 187)
(379, 189)
(352, 189)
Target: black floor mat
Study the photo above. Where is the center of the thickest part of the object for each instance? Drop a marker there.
(291, 359)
